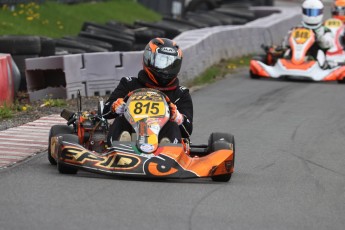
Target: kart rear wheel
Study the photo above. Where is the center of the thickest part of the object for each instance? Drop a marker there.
(218, 141)
(57, 130)
(341, 81)
(63, 168)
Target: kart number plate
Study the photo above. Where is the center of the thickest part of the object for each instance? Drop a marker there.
(146, 108)
(301, 35)
(333, 23)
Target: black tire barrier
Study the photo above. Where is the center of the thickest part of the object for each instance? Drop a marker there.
(47, 47)
(145, 34)
(201, 5)
(112, 33)
(118, 44)
(204, 18)
(183, 21)
(68, 50)
(78, 45)
(237, 12)
(169, 31)
(20, 44)
(90, 41)
(120, 28)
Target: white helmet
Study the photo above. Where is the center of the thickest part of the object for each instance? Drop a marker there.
(312, 13)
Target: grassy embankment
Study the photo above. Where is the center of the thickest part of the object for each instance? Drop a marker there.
(56, 20)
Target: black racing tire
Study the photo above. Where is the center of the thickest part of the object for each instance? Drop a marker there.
(253, 76)
(64, 168)
(218, 141)
(261, 57)
(20, 44)
(341, 81)
(57, 130)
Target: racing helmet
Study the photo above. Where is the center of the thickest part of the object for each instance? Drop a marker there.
(338, 10)
(162, 61)
(312, 13)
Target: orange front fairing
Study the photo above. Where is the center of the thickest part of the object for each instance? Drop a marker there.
(172, 162)
(257, 69)
(338, 74)
(202, 165)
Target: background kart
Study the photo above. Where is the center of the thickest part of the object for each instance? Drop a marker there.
(294, 63)
(147, 111)
(336, 54)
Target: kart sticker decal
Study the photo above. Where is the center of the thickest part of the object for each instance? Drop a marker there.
(165, 166)
(112, 161)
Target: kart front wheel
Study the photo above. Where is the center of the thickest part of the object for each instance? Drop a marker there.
(219, 141)
(54, 131)
(64, 168)
(253, 76)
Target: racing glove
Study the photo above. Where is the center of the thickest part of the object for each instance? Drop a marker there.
(325, 39)
(319, 32)
(175, 115)
(118, 106)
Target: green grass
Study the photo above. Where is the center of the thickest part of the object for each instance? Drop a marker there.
(220, 70)
(56, 20)
(54, 102)
(5, 112)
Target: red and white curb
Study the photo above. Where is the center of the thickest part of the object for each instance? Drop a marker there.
(19, 143)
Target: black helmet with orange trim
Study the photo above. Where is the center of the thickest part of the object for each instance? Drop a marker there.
(162, 61)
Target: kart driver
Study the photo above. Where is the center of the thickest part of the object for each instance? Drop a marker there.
(312, 19)
(162, 62)
(338, 10)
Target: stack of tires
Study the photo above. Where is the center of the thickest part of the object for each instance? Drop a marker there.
(21, 47)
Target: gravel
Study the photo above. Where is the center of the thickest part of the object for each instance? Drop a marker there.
(37, 111)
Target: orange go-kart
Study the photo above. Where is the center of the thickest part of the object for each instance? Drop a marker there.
(336, 53)
(296, 63)
(147, 110)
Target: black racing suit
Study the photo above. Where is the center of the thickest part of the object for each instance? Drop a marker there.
(178, 95)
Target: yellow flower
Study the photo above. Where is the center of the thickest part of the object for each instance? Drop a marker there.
(241, 61)
(58, 22)
(24, 108)
(29, 18)
(21, 5)
(14, 14)
(21, 12)
(61, 27)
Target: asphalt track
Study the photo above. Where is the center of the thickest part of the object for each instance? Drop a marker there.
(289, 170)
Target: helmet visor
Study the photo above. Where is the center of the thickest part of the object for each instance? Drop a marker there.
(166, 63)
(312, 12)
